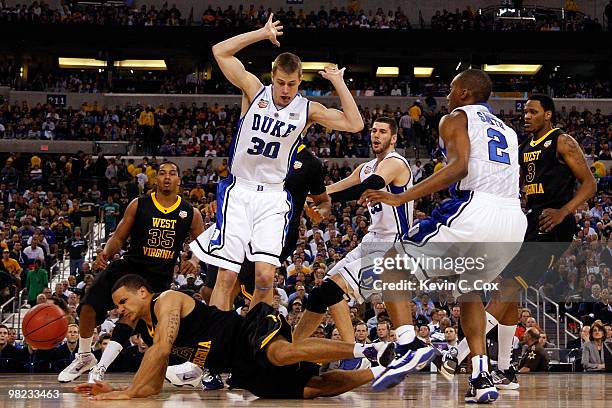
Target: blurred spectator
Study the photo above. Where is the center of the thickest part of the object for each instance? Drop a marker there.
(593, 351)
(37, 280)
(535, 358)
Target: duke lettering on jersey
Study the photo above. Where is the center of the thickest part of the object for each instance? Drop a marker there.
(267, 123)
(267, 138)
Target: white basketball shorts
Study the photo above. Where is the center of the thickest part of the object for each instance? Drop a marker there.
(252, 221)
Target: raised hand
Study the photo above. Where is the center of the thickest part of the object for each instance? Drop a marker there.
(332, 73)
(273, 29)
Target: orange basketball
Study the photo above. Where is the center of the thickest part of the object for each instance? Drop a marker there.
(44, 326)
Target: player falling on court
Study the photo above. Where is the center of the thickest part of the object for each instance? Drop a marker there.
(389, 171)
(157, 225)
(551, 163)
(483, 170)
(305, 180)
(253, 208)
(256, 349)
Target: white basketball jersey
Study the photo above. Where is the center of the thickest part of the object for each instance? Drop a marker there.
(267, 138)
(493, 163)
(386, 219)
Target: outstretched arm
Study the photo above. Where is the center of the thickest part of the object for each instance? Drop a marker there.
(116, 241)
(453, 129)
(149, 378)
(343, 184)
(231, 66)
(570, 152)
(348, 119)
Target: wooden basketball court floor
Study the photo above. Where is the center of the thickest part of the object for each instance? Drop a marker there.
(422, 391)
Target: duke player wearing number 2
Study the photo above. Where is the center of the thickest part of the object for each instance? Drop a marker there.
(484, 209)
(157, 226)
(551, 163)
(389, 171)
(253, 208)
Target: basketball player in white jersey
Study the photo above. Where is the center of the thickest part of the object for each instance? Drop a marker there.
(483, 169)
(389, 171)
(253, 208)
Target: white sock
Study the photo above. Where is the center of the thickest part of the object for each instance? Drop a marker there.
(405, 334)
(377, 371)
(110, 353)
(479, 364)
(463, 348)
(85, 344)
(506, 335)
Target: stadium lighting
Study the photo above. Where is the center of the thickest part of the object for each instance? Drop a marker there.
(423, 72)
(81, 63)
(387, 72)
(512, 69)
(156, 65)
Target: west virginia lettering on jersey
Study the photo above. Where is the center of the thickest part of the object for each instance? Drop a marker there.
(158, 253)
(163, 223)
(490, 119)
(264, 125)
(534, 189)
(201, 353)
(531, 156)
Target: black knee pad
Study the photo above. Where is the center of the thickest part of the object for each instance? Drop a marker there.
(328, 294)
(121, 333)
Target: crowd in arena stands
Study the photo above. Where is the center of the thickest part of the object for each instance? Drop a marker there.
(248, 17)
(49, 203)
(206, 131)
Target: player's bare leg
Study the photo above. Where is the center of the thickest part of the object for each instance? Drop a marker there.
(221, 293)
(280, 352)
(340, 313)
(264, 283)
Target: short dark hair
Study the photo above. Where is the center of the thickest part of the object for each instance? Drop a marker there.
(2, 326)
(178, 170)
(132, 282)
(546, 101)
(287, 62)
(533, 333)
(599, 325)
(389, 121)
(478, 82)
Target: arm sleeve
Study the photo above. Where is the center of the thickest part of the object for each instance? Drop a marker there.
(374, 182)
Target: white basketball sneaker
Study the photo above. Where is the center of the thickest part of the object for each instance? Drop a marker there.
(82, 363)
(184, 374)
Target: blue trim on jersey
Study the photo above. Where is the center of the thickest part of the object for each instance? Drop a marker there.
(288, 218)
(401, 211)
(444, 214)
(239, 128)
(223, 189)
(486, 105)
